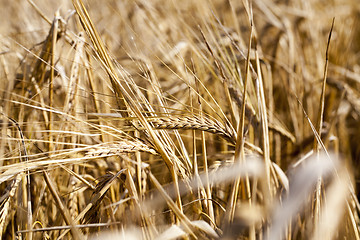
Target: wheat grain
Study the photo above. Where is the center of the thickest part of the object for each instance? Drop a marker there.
(195, 123)
(126, 146)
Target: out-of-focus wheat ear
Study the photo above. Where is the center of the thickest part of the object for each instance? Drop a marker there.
(189, 228)
(76, 234)
(298, 199)
(42, 60)
(6, 202)
(353, 207)
(149, 230)
(335, 208)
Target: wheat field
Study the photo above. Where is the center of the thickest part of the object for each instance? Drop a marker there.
(164, 119)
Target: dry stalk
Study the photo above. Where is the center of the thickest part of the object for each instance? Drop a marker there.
(63, 210)
(319, 124)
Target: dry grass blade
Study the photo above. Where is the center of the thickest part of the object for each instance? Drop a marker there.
(319, 125)
(301, 186)
(319, 122)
